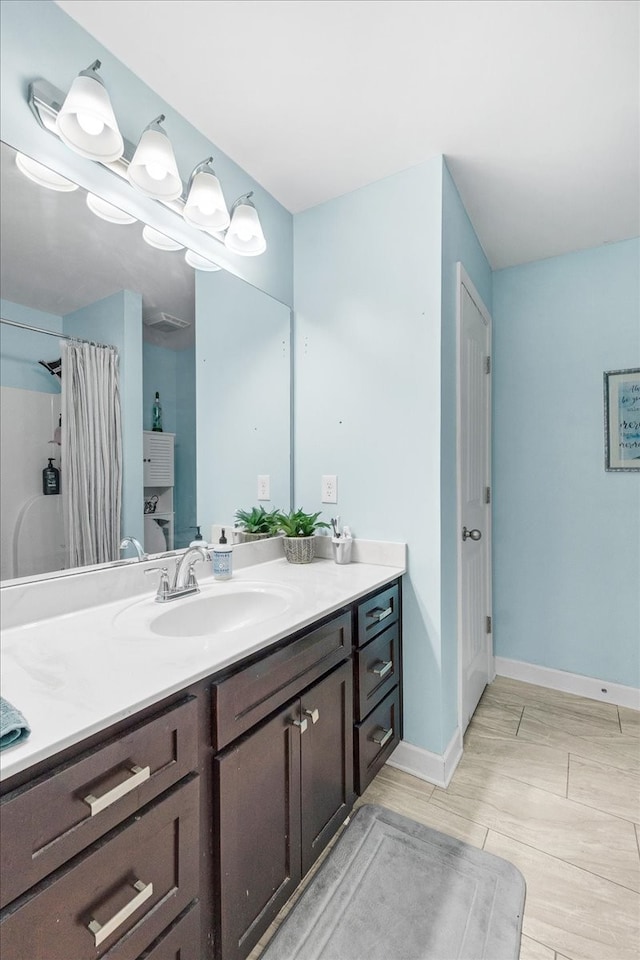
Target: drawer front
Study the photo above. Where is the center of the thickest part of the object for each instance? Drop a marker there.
(120, 896)
(242, 700)
(181, 941)
(50, 821)
(376, 738)
(377, 613)
(377, 670)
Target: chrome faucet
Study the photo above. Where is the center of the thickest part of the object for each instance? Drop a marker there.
(135, 544)
(184, 578)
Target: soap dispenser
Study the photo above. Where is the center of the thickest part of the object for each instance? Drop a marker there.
(197, 540)
(50, 479)
(222, 559)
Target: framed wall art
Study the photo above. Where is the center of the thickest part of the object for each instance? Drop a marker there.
(622, 420)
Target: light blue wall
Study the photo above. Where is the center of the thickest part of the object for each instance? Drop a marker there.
(367, 393)
(459, 244)
(38, 41)
(566, 533)
(117, 320)
(242, 397)
(20, 350)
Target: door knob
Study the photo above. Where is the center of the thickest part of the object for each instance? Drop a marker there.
(471, 534)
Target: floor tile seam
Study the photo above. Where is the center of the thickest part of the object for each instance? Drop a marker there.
(540, 943)
(630, 768)
(611, 766)
(460, 815)
(567, 863)
(615, 816)
(607, 729)
(533, 786)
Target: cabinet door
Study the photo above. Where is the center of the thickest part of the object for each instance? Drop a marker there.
(326, 761)
(258, 834)
(157, 455)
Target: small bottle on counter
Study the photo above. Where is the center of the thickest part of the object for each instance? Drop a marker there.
(222, 559)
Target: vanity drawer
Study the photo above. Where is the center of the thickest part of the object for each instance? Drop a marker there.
(120, 896)
(377, 669)
(377, 613)
(376, 738)
(56, 817)
(242, 700)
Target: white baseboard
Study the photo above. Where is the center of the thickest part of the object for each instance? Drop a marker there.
(575, 683)
(435, 768)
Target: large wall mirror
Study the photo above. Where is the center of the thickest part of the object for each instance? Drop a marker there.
(216, 349)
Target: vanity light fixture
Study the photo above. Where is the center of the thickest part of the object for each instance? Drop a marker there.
(245, 234)
(153, 169)
(200, 263)
(107, 211)
(42, 175)
(205, 207)
(159, 240)
(86, 121)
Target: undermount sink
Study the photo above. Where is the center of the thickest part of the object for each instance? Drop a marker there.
(222, 608)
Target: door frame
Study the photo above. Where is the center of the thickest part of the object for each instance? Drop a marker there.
(464, 280)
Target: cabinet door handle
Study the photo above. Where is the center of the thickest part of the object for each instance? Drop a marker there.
(302, 724)
(378, 613)
(314, 715)
(101, 931)
(140, 774)
(383, 737)
(383, 668)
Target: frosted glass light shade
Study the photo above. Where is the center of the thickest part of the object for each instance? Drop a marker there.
(245, 235)
(205, 207)
(107, 211)
(200, 263)
(42, 175)
(158, 240)
(86, 121)
(153, 169)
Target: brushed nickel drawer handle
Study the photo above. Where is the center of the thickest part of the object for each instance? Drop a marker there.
(383, 668)
(383, 737)
(102, 931)
(302, 724)
(379, 614)
(140, 774)
(314, 715)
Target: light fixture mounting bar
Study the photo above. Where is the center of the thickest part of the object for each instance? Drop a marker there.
(46, 101)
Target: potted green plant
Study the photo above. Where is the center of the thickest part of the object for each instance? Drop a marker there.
(257, 523)
(299, 530)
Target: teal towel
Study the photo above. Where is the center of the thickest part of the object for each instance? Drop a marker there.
(13, 726)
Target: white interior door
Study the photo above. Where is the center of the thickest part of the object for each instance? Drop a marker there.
(475, 649)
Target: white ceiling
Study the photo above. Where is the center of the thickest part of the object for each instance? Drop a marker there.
(535, 103)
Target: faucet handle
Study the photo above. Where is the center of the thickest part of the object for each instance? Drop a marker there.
(163, 587)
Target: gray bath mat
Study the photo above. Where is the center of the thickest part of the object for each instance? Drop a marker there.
(393, 889)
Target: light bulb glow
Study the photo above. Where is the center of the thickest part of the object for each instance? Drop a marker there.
(156, 171)
(205, 207)
(245, 235)
(91, 125)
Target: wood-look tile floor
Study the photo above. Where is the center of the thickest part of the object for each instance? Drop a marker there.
(550, 782)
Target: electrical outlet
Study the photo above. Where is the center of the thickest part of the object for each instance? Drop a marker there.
(264, 486)
(329, 489)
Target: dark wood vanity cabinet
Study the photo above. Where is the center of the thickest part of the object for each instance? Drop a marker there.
(285, 787)
(181, 832)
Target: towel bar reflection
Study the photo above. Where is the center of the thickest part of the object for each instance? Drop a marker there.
(140, 774)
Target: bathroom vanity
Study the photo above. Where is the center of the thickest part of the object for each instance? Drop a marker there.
(180, 825)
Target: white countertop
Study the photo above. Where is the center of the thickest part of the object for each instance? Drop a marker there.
(77, 673)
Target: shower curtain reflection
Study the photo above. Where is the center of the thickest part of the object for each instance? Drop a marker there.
(91, 481)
